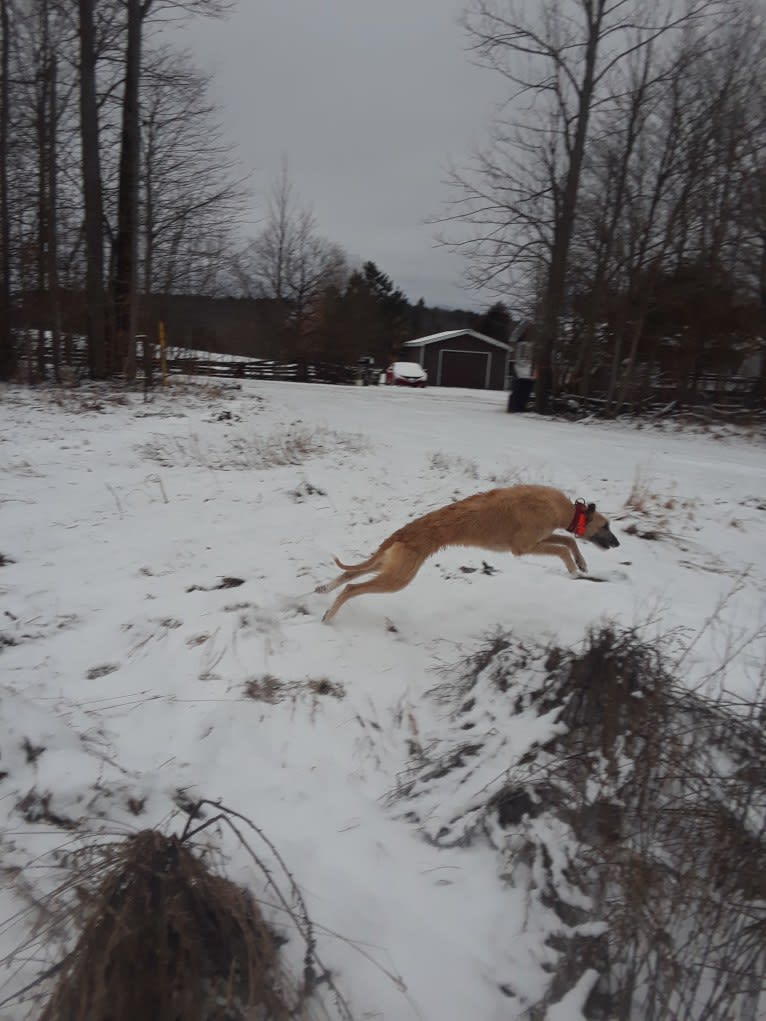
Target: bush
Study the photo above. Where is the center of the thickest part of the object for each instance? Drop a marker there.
(639, 806)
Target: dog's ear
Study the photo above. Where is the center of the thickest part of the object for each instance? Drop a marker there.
(590, 510)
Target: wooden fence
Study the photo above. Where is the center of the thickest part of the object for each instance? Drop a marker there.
(730, 397)
(714, 396)
(309, 372)
(179, 364)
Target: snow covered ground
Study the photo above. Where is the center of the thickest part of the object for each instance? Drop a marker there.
(135, 679)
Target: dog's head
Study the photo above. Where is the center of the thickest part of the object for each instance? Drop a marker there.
(597, 529)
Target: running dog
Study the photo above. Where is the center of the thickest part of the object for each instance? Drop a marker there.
(518, 520)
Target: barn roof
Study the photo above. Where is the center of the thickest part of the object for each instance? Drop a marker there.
(435, 338)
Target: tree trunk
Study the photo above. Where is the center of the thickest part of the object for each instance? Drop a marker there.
(148, 226)
(7, 354)
(616, 360)
(585, 360)
(95, 298)
(41, 259)
(124, 289)
(627, 376)
(553, 300)
(53, 276)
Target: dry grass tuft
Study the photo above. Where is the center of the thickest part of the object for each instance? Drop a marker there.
(453, 464)
(291, 445)
(653, 510)
(163, 937)
(267, 688)
(641, 498)
(324, 686)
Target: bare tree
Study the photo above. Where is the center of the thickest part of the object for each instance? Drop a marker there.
(65, 176)
(521, 200)
(658, 211)
(95, 295)
(47, 117)
(54, 294)
(192, 198)
(291, 262)
(602, 203)
(7, 359)
(126, 241)
(65, 200)
(125, 254)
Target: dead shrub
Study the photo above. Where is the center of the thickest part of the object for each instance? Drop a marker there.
(89, 397)
(648, 776)
(161, 936)
(644, 812)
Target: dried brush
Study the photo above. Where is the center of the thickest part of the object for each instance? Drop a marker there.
(162, 937)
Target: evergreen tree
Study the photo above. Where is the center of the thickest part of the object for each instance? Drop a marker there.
(393, 310)
(496, 322)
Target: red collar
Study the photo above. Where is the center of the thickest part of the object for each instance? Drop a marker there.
(579, 520)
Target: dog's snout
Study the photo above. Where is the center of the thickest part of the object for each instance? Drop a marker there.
(611, 539)
(605, 538)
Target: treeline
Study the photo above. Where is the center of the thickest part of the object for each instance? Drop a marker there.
(117, 193)
(621, 199)
(114, 179)
(331, 310)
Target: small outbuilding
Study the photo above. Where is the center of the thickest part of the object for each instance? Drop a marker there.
(461, 358)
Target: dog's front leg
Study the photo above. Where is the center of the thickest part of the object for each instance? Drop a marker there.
(569, 542)
(553, 548)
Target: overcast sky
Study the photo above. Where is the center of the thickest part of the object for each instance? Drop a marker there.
(369, 101)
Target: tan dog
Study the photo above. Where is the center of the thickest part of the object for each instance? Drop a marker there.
(518, 520)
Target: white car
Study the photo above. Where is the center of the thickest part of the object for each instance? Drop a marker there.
(406, 374)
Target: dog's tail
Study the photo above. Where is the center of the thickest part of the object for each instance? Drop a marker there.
(366, 565)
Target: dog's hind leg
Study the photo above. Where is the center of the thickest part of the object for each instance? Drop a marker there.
(399, 568)
(346, 576)
(352, 571)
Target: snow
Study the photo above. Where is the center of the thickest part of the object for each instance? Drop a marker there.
(570, 1007)
(125, 665)
(435, 338)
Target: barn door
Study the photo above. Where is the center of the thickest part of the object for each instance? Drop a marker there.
(464, 368)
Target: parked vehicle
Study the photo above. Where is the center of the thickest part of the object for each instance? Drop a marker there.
(406, 374)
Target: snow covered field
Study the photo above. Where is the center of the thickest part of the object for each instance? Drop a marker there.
(134, 678)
